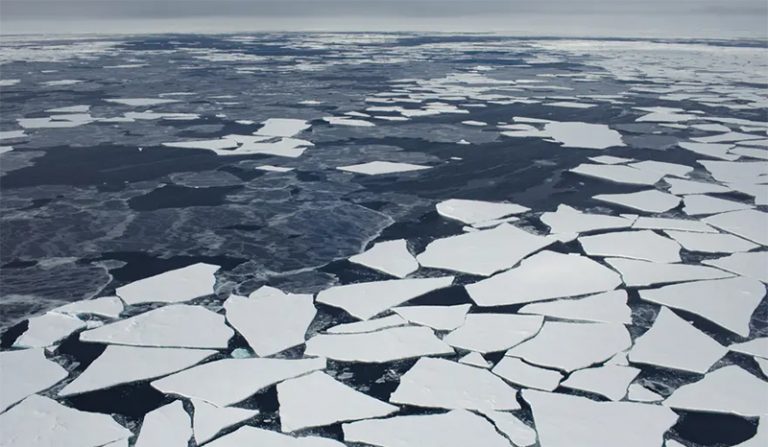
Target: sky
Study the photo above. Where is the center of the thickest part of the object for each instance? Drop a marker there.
(716, 19)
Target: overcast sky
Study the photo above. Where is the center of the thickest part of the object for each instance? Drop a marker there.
(620, 18)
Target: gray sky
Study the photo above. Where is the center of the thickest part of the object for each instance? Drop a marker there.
(619, 18)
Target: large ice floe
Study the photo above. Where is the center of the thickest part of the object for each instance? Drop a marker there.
(486, 333)
(47, 329)
(169, 425)
(174, 286)
(209, 419)
(729, 389)
(476, 211)
(25, 372)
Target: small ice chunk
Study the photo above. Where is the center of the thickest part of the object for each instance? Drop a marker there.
(583, 135)
(729, 389)
(735, 171)
(382, 167)
(214, 145)
(173, 286)
(663, 223)
(512, 427)
(476, 211)
(714, 150)
(761, 154)
(368, 299)
(570, 105)
(106, 306)
(483, 252)
(486, 333)
(390, 257)
(749, 224)
(378, 347)
(474, 123)
(12, 134)
(475, 359)
(271, 168)
(368, 325)
(757, 347)
(520, 373)
(610, 381)
(440, 318)
(167, 426)
(432, 383)
(610, 160)
(636, 244)
(178, 325)
(25, 372)
(42, 422)
(209, 419)
(571, 220)
(270, 320)
(342, 121)
(316, 400)
(47, 329)
(726, 302)
(70, 109)
(125, 364)
(711, 242)
(663, 168)
(282, 127)
(618, 174)
(458, 428)
(698, 204)
(608, 307)
(639, 393)
(752, 265)
(139, 102)
(726, 137)
(567, 421)
(572, 346)
(229, 381)
(651, 200)
(682, 187)
(642, 273)
(533, 280)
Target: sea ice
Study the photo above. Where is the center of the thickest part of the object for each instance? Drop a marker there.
(167, 426)
(571, 220)
(25, 372)
(749, 224)
(139, 102)
(608, 307)
(486, 333)
(651, 200)
(757, 347)
(729, 389)
(664, 223)
(476, 211)
(173, 286)
(252, 436)
(583, 135)
(390, 257)
(642, 273)
(209, 419)
(711, 242)
(520, 373)
(636, 244)
(47, 329)
(367, 325)
(282, 127)
(682, 187)
(752, 265)
(699, 204)
(610, 381)
(106, 306)
(639, 393)
(618, 174)
(475, 359)
(382, 167)
(440, 318)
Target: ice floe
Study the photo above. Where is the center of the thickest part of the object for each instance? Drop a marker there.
(483, 252)
(699, 204)
(486, 333)
(757, 347)
(663, 168)
(139, 102)
(271, 168)
(209, 419)
(47, 329)
(752, 265)
(729, 389)
(432, 383)
(651, 200)
(106, 306)
(734, 171)
(711, 242)
(608, 307)
(390, 257)
(618, 174)
(25, 372)
(458, 428)
(367, 325)
(342, 121)
(572, 346)
(441, 318)
(475, 359)
(173, 286)
(178, 326)
(567, 421)
(167, 426)
(664, 223)
(382, 167)
(583, 135)
(368, 299)
(544, 276)
(378, 347)
(317, 399)
(270, 320)
(610, 381)
(642, 273)
(229, 381)
(282, 127)
(726, 302)
(125, 364)
(476, 211)
(42, 422)
(639, 393)
(252, 436)
(681, 187)
(610, 160)
(512, 427)
(520, 373)
(714, 150)
(571, 220)
(749, 224)
(637, 244)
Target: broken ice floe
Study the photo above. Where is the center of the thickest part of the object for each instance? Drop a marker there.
(638, 244)
(618, 174)
(178, 325)
(533, 280)
(252, 436)
(440, 318)
(432, 383)
(726, 302)
(229, 381)
(663, 223)
(571, 220)
(757, 347)
(608, 307)
(482, 252)
(486, 333)
(367, 325)
(729, 389)
(682, 187)
(520, 373)
(381, 346)
(752, 264)
(140, 102)
(209, 419)
(637, 273)
(168, 426)
(475, 359)
(699, 204)
(317, 399)
(390, 257)
(42, 422)
(382, 167)
(572, 346)
(47, 329)
(282, 127)
(476, 211)
(711, 242)
(610, 381)
(107, 306)
(173, 286)
(651, 200)
(368, 299)
(270, 320)
(639, 393)
(125, 364)
(25, 372)
(749, 224)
